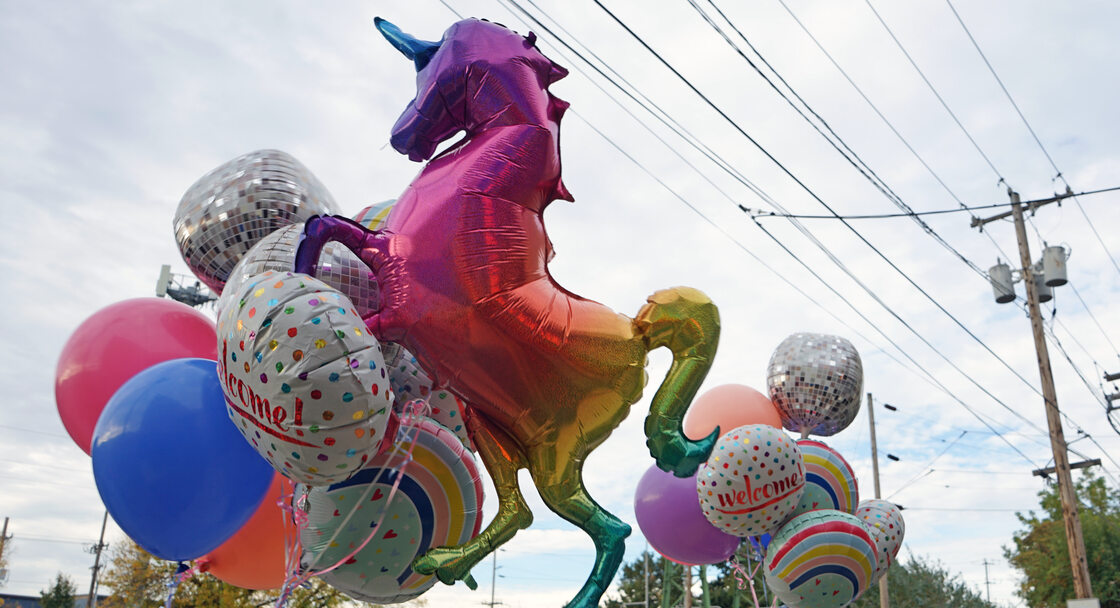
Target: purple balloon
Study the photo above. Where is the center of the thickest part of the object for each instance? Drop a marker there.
(671, 519)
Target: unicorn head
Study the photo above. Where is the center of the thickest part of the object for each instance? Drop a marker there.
(479, 75)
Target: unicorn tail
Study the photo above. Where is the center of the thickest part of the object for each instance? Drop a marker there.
(686, 321)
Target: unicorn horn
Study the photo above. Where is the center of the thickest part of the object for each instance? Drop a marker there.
(419, 51)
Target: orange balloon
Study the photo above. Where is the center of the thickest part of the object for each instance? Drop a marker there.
(253, 558)
(729, 406)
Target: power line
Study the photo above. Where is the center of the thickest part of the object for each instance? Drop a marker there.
(839, 144)
(934, 90)
(874, 216)
(1038, 141)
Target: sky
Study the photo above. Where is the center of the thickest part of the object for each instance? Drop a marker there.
(111, 110)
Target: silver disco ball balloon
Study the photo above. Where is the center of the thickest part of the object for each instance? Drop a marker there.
(816, 382)
(229, 210)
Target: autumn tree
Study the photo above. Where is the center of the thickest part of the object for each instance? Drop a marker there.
(922, 583)
(1040, 551)
(61, 593)
(138, 579)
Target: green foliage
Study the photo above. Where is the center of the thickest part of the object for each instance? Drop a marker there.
(1040, 551)
(139, 580)
(632, 583)
(61, 593)
(922, 583)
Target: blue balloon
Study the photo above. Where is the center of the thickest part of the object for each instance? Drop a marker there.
(170, 466)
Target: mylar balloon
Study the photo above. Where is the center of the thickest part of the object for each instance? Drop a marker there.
(830, 482)
(820, 559)
(447, 409)
(254, 557)
(816, 382)
(671, 520)
(304, 380)
(729, 406)
(438, 502)
(337, 267)
(231, 208)
(170, 467)
(373, 216)
(884, 520)
(115, 344)
(409, 382)
(752, 482)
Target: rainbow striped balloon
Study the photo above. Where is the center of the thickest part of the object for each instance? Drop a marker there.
(820, 559)
(374, 215)
(830, 482)
(437, 503)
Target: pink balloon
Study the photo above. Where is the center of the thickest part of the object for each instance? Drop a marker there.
(729, 406)
(115, 344)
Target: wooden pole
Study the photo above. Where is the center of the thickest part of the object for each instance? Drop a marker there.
(884, 593)
(1081, 584)
(91, 600)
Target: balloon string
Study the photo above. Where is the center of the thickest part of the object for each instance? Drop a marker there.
(415, 410)
(184, 572)
(754, 593)
(740, 573)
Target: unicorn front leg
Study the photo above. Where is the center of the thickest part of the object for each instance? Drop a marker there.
(372, 248)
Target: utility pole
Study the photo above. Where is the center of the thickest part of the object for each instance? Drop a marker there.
(4, 538)
(987, 583)
(1074, 539)
(884, 593)
(646, 604)
(91, 600)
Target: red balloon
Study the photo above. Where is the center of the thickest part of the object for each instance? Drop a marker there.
(253, 558)
(729, 406)
(115, 344)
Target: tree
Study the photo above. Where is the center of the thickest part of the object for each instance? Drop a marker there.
(61, 593)
(138, 579)
(922, 583)
(632, 582)
(1040, 551)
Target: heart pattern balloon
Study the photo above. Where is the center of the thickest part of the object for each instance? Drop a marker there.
(830, 482)
(816, 382)
(820, 559)
(437, 502)
(752, 481)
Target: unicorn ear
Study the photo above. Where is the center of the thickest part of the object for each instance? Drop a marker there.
(419, 51)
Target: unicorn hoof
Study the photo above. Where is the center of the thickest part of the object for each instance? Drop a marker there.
(447, 564)
(681, 456)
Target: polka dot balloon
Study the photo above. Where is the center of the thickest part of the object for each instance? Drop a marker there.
(304, 381)
(752, 481)
(884, 520)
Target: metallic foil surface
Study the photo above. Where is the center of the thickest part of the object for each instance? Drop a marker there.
(816, 382)
(233, 207)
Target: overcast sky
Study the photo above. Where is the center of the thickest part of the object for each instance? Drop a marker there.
(111, 110)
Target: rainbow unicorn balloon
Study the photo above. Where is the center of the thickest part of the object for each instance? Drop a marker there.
(462, 263)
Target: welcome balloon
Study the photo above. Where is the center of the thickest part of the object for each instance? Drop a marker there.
(884, 520)
(820, 559)
(830, 482)
(752, 481)
(304, 380)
